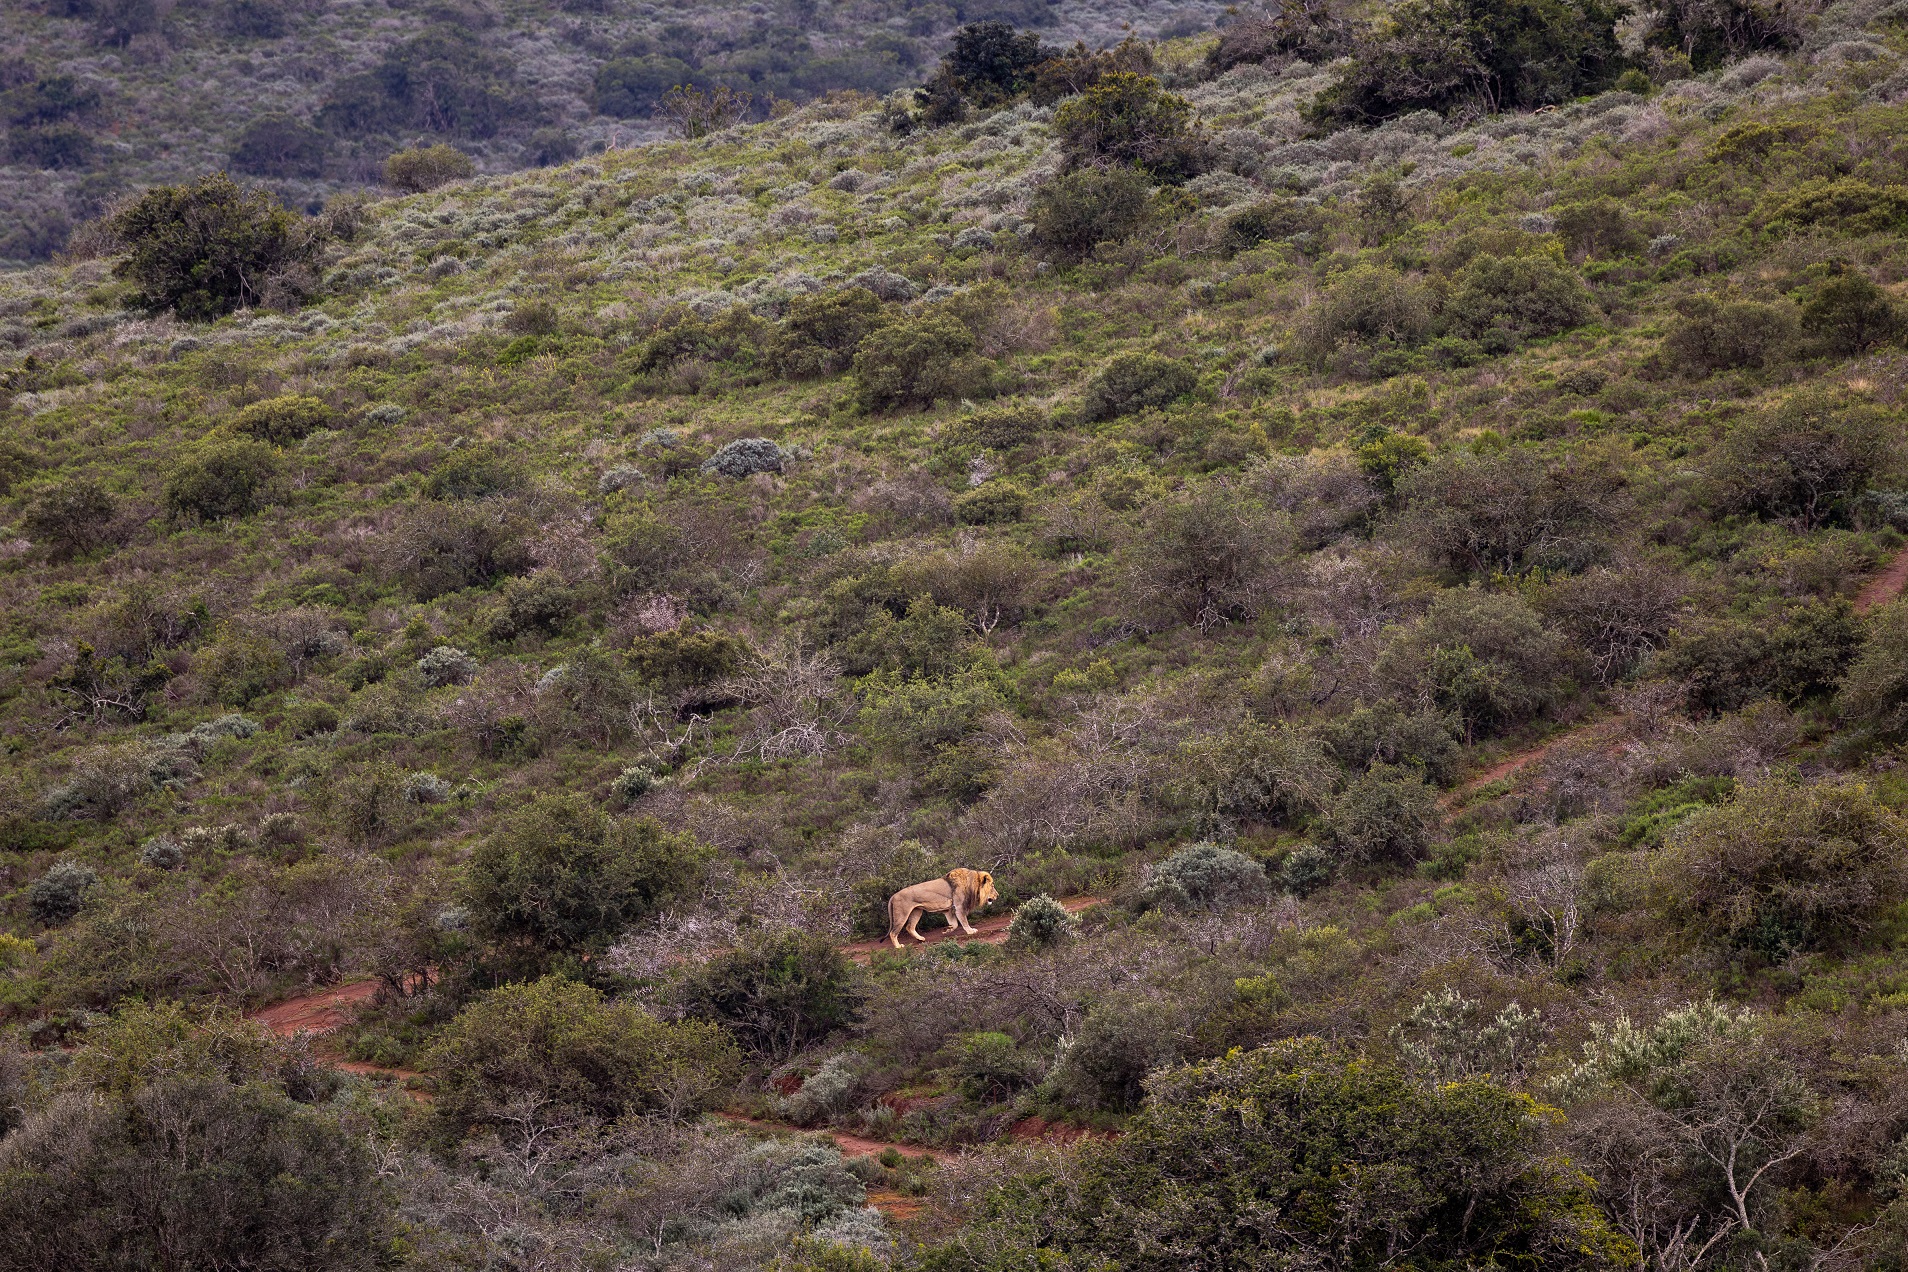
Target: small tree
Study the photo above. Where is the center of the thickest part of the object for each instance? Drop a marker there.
(1076, 211)
(1134, 382)
(1129, 119)
(205, 249)
(694, 113)
(1784, 868)
(71, 518)
(560, 880)
(778, 993)
(529, 1060)
(1808, 460)
(231, 477)
(1385, 814)
(427, 167)
(1875, 693)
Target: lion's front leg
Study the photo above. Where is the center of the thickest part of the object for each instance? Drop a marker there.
(960, 920)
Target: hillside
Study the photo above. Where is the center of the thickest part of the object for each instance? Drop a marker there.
(100, 97)
(1413, 562)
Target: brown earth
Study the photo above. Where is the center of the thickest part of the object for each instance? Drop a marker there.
(325, 1011)
(1885, 586)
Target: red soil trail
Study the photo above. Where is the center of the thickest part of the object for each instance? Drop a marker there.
(989, 931)
(325, 1011)
(1885, 586)
(850, 1145)
(1510, 764)
(320, 1012)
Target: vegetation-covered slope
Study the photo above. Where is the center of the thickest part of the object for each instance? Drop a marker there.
(98, 97)
(591, 591)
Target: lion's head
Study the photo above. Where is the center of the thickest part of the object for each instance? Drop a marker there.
(974, 887)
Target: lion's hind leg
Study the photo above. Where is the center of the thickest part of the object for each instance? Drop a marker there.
(914, 923)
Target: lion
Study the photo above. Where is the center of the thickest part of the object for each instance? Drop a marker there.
(959, 891)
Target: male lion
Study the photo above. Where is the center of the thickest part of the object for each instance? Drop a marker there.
(960, 890)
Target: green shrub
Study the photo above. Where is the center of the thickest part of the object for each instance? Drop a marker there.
(1077, 211)
(1509, 510)
(71, 518)
(446, 665)
(916, 360)
(1848, 315)
(1128, 119)
(1311, 32)
(567, 1051)
(1040, 923)
(190, 1170)
(1875, 694)
(1132, 382)
(427, 167)
(283, 420)
(242, 666)
(1205, 877)
(1848, 205)
(1116, 1047)
(1786, 867)
(1720, 335)
(439, 548)
(205, 249)
(779, 993)
(990, 62)
(474, 472)
(820, 333)
(1807, 461)
(560, 880)
(542, 605)
(1001, 428)
(680, 658)
(1526, 297)
(56, 896)
(1485, 55)
(1483, 657)
(990, 1069)
(631, 87)
(1356, 1157)
(1385, 814)
(222, 478)
(1306, 869)
(994, 503)
(277, 145)
(1596, 228)
(1367, 303)
(1725, 664)
(1714, 32)
(1266, 221)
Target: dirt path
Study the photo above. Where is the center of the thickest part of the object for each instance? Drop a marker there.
(850, 1145)
(1510, 764)
(1885, 586)
(988, 931)
(325, 1011)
